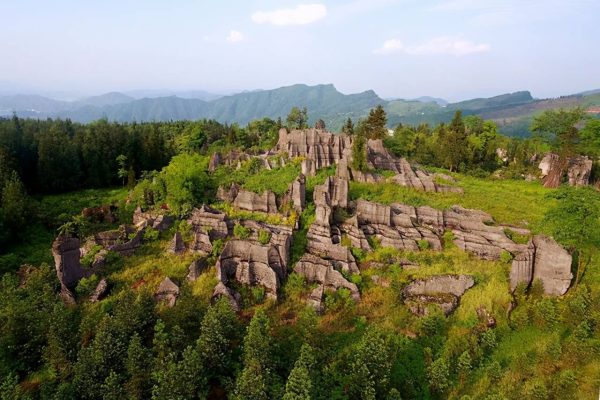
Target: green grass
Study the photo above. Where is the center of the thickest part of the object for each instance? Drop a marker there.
(513, 202)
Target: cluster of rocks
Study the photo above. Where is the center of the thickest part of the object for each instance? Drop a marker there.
(552, 170)
(321, 149)
(250, 261)
(326, 258)
(442, 290)
(100, 214)
(233, 158)
(152, 219)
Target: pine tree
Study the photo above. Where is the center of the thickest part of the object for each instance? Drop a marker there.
(111, 388)
(359, 149)
(370, 366)
(376, 123)
(348, 127)
(137, 365)
(299, 385)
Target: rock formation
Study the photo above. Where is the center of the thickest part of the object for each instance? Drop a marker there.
(251, 264)
(167, 292)
(443, 290)
(210, 221)
(177, 246)
(66, 253)
(100, 291)
(552, 169)
(250, 201)
(323, 148)
(100, 214)
(228, 195)
(153, 219)
(231, 295)
(232, 159)
(196, 268)
(296, 194)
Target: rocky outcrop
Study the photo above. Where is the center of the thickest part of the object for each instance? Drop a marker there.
(378, 157)
(177, 246)
(153, 219)
(552, 169)
(251, 264)
(231, 295)
(296, 194)
(552, 266)
(232, 159)
(66, 253)
(443, 290)
(280, 236)
(321, 271)
(229, 194)
(210, 221)
(167, 292)
(250, 201)
(214, 162)
(323, 148)
(100, 291)
(546, 260)
(196, 268)
(579, 171)
(162, 223)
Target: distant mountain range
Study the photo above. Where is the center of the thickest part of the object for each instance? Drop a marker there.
(512, 111)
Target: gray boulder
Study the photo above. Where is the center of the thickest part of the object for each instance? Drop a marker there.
(100, 292)
(250, 201)
(167, 292)
(177, 246)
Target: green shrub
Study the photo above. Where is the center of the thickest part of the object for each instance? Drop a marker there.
(150, 235)
(506, 256)
(185, 228)
(264, 236)
(217, 247)
(448, 239)
(423, 244)
(88, 259)
(258, 294)
(515, 237)
(241, 232)
(86, 286)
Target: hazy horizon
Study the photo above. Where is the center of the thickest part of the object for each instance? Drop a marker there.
(452, 49)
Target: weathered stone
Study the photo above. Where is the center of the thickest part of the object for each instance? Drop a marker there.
(552, 168)
(579, 171)
(228, 195)
(162, 223)
(202, 243)
(128, 248)
(552, 266)
(66, 253)
(251, 264)
(232, 296)
(100, 292)
(441, 290)
(250, 201)
(315, 298)
(280, 237)
(452, 284)
(208, 220)
(215, 161)
(316, 269)
(177, 246)
(196, 268)
(67, 296)
(323, 148)
(167, 292)
(296, 194)
(522, 267)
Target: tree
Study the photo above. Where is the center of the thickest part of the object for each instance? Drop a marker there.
(299, 385)
(376, 123)
(359, 149)
(320, 124)
(370, 366)
(590, 138)
(452, 143)
(255, 381)
(439, 375)
(13, 205)
(348, 127)
(559, 128)
(112, 389)
(575, 223)
(216, 334)
(122, 171)
(137, 366)
(297, 119)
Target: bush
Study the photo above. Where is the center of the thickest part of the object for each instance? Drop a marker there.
(506, 257)
(86, 286)
(264, 237)
(241, 232)
(423, 244)
(88, 259)
(150, 235)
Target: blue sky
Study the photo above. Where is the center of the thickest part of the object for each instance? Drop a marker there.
(454, 49)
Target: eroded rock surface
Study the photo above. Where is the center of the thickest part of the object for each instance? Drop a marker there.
(167, 292)
(552, 170)
(209, 221)
(100, 291)
(250, 201)
(177, 246)
(66, 253)
(442, 290)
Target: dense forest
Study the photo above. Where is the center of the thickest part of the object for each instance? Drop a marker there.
(129, 346)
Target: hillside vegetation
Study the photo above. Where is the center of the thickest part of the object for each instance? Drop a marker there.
(496, 344)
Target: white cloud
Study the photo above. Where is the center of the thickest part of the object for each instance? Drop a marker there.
(443, 45)
(300, 15)
(235, 36)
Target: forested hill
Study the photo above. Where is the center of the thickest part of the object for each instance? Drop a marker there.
(512, 111)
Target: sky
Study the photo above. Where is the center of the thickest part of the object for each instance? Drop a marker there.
(454, 49)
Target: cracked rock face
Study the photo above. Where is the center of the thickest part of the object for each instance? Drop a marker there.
(296, 194)
(177, 245)
(167, 292)
(66, 253)
(442, 290)
(250, 201)
(323, 148)
(552, 169)
(251, 264)
(210, 221)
